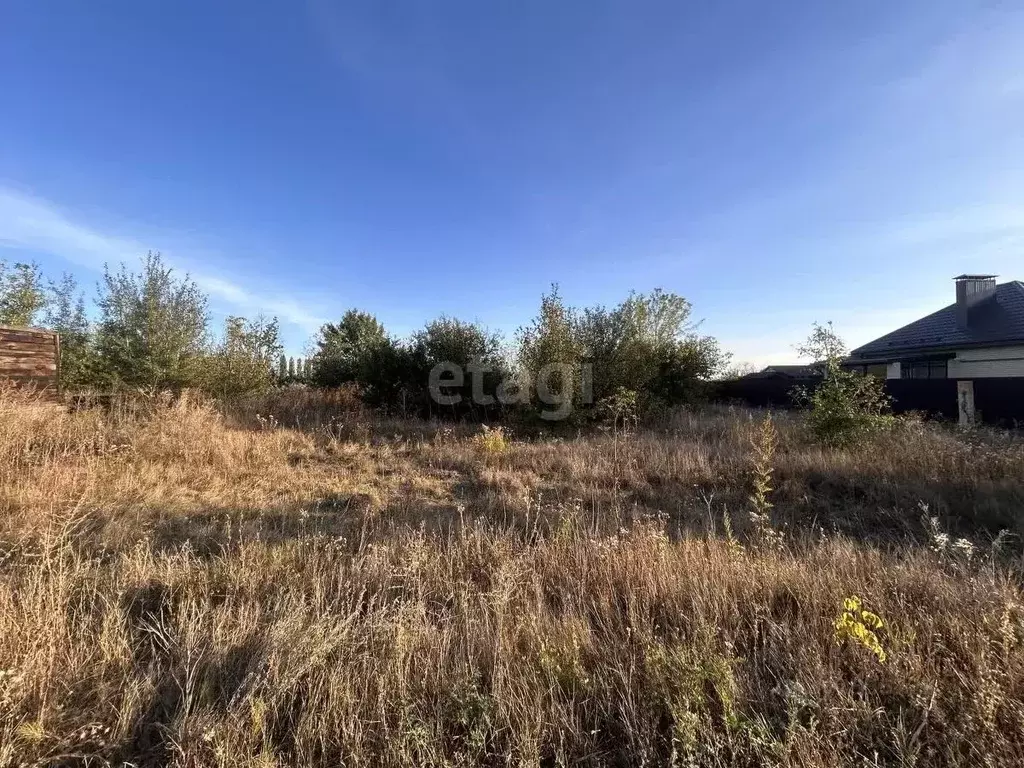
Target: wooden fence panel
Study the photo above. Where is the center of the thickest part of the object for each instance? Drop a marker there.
(30, 359)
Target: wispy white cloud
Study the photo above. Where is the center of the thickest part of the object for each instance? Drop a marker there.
(979, 65)
(995, 221)
(33, 224)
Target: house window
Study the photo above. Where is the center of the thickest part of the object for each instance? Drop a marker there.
(923, 369)
(878, 371)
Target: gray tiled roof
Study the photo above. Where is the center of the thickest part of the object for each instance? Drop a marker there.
(992, 322)
(792, 371)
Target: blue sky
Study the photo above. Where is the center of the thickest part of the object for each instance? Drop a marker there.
(775, 163)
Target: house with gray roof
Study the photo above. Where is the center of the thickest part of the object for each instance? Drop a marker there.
(980, 335)
(785, 372)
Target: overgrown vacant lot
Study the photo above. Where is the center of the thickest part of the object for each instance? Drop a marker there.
(180, 588)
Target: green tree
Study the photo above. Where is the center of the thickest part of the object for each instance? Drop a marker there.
(684, 368)
(650, 346)
(391, 377)
(153, 326)
(601, 333)
(282, 367)
(242, 362)
(65, 314)
(551, 358)
(823, 346)
(662, 351)
(470, 348)
(344, 350)
(22, 294)
(659, 318)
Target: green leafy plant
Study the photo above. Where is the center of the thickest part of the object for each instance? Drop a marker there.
(858, 625)
(344, 349)
(846, 406)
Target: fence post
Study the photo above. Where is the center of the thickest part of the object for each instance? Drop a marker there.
(965, 399)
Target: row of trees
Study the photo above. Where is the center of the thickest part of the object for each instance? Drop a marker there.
(645, 351)
(293, 370)
(151, 330)
(394, 374)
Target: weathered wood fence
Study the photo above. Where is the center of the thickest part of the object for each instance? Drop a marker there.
(30, 358)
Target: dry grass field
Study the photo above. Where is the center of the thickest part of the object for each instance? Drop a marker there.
(303, 588)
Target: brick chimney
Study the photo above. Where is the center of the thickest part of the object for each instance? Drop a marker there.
(972, 290)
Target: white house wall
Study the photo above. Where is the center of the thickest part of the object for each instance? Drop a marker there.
(987, 363)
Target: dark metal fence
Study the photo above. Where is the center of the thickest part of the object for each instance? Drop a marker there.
(998, 401)
(934, 397)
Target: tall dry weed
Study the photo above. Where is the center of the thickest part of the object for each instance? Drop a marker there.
(176, 589)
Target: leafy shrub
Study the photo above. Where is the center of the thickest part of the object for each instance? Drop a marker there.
(22, 295)
(151, 333)
(65, 314)
(648, 344)
(152, 329)
(476, 351)
(551, 356)
(846, 406)
(241, 363)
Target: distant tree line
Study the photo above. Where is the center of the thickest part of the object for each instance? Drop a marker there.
(151, 330)
(293, 370)
(644, 354)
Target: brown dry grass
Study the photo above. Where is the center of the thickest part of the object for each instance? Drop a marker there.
(179, 589)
